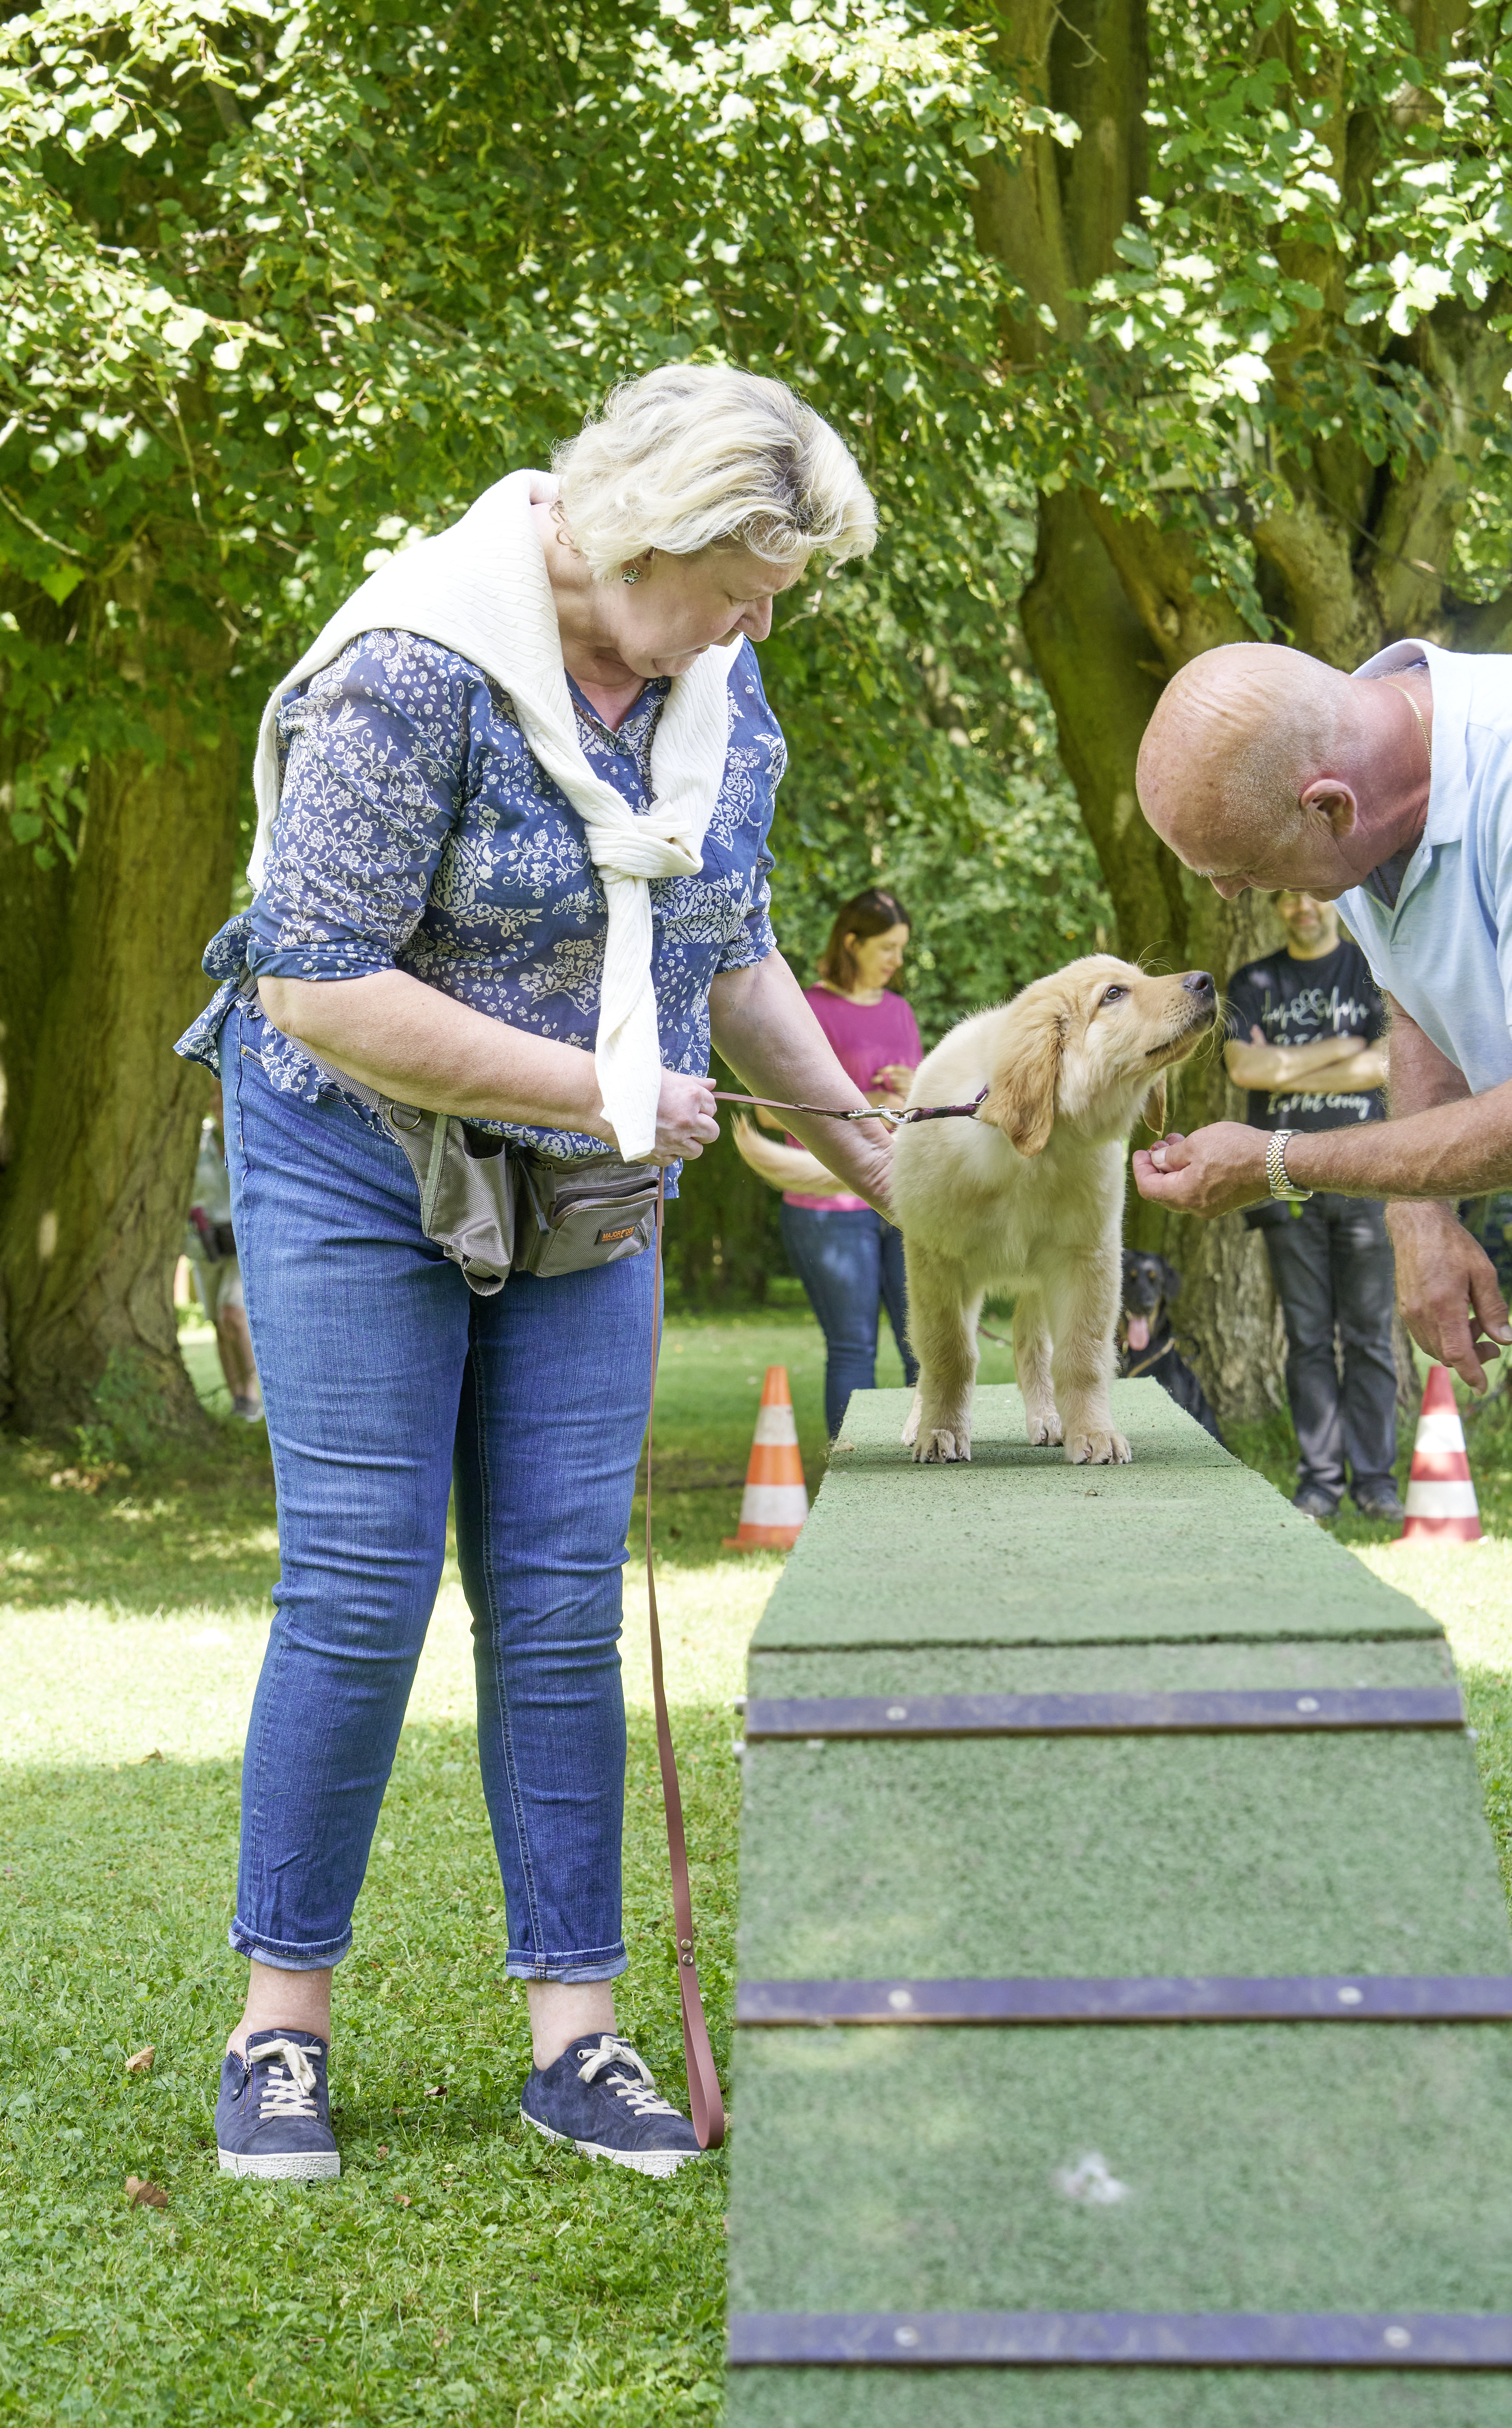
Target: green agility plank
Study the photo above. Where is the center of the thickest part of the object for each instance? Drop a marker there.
(1018, 1548)
(1278, 2171)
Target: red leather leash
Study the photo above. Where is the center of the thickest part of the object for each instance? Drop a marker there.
(704, 2099)
(707, 2106)
(858, 1112)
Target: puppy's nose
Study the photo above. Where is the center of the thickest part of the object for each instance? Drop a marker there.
(1199, 983)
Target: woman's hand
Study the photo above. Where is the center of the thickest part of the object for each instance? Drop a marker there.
(685, 1119)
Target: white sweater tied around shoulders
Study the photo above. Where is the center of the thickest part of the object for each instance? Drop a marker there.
(482, 589)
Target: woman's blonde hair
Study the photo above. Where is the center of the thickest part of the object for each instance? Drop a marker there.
(696, 455)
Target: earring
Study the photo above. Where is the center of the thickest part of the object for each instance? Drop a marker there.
(630, 574)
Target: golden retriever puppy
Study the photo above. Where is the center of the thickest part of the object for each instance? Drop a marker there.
(1028, 1197)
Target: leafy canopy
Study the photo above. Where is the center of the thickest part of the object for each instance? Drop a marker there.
(305, 287)
(1314, 307)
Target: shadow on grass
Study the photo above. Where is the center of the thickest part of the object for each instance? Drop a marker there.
(183, 1531)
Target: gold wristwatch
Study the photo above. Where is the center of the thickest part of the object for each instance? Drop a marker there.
(1275, 1170)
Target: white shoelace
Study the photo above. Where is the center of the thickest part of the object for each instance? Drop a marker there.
(639, 2092)
(290, 2090)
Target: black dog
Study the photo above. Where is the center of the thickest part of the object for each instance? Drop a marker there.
(1146, 1342)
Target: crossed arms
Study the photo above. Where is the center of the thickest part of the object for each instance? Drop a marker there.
(1331, 1066)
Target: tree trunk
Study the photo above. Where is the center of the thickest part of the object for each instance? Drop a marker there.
(96, 1197)
(1115, 608)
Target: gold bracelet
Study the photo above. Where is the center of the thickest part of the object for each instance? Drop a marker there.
(1281, 1185)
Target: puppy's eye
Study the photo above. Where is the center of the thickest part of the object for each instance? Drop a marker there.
(1113, 995)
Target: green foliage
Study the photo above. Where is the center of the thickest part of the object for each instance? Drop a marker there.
(1318, 289)
(282, 290)
(310, 288)
(923, 758)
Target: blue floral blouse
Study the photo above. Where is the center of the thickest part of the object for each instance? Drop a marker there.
(416, 832)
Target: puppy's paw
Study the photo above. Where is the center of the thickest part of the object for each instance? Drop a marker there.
(1047, 1431)
(1097, 1449)
(940, 1446)
(910, 1431)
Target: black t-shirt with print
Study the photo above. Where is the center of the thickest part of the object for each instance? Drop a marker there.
(1292, 1003)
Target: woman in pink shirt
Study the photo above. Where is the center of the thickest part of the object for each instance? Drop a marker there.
(850, 1260)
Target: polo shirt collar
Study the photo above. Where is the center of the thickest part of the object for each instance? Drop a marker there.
(1449, 673)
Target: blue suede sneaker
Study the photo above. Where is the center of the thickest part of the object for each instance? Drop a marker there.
(273, 2115)
(603, 2099)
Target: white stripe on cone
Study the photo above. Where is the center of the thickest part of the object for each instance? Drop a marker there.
(774, 1504)
(1426, 1499)
(1439, 1429)
(778, 1426)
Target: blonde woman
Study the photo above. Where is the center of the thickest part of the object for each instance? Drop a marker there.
(512, 866)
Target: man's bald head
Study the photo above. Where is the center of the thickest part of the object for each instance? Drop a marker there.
(1237, 737)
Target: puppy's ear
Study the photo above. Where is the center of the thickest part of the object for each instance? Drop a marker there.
(1169, 1279)
(1021, 1100)
(1153, 1113)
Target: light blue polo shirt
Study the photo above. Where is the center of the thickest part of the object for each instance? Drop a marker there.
(1445, 950)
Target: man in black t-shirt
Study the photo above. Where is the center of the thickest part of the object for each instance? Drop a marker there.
(1305, 1029)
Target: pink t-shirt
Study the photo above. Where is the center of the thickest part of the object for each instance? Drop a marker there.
(866, 1037)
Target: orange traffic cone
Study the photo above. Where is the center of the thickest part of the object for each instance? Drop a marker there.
(1441, 1506)
(775, 1502)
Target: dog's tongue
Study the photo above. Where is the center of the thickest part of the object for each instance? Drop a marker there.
(1138, 1332)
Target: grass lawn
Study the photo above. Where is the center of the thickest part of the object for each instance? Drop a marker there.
(458, 2272)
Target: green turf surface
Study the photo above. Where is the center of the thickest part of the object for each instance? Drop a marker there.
(1103, 1668)
(1018, 1547)
(1285, 2167)
(1092, 2398)
(1266, 2167)
(1118, 1855)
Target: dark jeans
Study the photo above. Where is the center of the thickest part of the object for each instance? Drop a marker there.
(1332, 1265)
(850, 1265)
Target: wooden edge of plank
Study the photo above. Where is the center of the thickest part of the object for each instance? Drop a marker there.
(1120, 2339)
(1161, 1998)
(1228, 1713)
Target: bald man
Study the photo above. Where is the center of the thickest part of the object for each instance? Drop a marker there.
(1389, 791)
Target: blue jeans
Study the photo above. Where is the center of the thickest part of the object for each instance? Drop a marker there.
(851, 1265)
(386, 1382)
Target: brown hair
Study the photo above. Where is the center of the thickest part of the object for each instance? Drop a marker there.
(865, 914)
